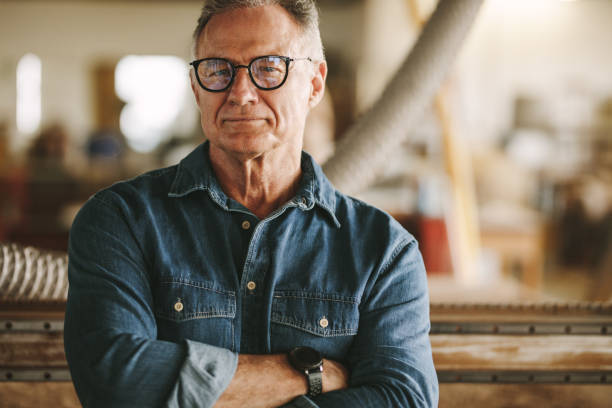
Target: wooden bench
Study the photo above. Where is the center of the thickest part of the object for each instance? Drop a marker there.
(516, 354)
(500, 353)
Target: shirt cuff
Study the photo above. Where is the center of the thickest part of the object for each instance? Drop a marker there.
(301, 402)
(205, 374)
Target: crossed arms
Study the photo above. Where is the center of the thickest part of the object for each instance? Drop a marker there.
(116, 360)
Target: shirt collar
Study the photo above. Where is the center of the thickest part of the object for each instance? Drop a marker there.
(195, 173)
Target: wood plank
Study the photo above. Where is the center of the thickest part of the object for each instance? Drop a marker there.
(38, 394)
(62, 395)
(512, 396)
(451, 352)
(512, 352)
(32, 350)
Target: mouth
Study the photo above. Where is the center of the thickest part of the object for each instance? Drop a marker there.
(242, 120)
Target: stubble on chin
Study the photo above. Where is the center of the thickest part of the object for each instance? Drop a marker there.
(245, 146)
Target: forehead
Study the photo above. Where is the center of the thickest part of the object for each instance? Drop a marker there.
(249, 32)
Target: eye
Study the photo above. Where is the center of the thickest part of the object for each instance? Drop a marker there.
(270, 68)
(215, 69)
(269, 65)
(221, 72)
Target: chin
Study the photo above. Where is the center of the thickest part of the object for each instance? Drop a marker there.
(248, 145)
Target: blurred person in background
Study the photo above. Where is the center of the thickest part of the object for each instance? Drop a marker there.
(11, 186)
(48, 189)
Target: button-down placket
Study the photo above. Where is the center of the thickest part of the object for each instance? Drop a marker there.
(254, 295)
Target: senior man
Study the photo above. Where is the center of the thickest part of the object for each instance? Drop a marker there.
(241, 277)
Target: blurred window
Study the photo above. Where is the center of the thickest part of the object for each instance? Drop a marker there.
(29, 71)
(154, 90)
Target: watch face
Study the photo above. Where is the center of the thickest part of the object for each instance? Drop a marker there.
(305, 357)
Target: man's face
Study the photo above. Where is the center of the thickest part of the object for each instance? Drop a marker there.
(245, 120)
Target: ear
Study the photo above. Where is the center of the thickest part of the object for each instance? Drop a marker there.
(195, 87)
(318, 84)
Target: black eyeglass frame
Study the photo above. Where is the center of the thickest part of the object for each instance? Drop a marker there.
(235, 68)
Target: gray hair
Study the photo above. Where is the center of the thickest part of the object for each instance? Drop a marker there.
(304, 12)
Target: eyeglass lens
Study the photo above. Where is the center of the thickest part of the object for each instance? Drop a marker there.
(266, 72)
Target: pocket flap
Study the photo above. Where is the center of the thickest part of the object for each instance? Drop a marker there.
(181, 300)
(319, 314)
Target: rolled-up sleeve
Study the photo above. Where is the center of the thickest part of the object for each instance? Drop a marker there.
(110, 331)
(390, 360)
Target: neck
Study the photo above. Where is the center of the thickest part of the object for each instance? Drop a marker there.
(262, 183)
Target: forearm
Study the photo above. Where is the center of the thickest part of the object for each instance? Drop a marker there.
(106, 370)
(263, 381)
(386, 376)
(123, 370)
(389, 387)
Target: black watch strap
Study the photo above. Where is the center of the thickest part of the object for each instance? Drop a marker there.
(315, 382)
(308, 361)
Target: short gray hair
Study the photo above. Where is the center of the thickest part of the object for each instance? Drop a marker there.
(304, 12)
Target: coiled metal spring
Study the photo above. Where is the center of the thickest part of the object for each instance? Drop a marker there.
(31, 274)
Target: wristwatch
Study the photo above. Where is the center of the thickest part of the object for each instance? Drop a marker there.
(309, 361)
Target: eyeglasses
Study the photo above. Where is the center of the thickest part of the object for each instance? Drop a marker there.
(267, 72)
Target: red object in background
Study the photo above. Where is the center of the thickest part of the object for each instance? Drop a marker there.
(434, 245)
(431, 233)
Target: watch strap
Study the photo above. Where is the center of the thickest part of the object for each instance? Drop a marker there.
(315, 382)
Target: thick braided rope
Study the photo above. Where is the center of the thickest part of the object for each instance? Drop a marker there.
(366, 146)
(32, 274)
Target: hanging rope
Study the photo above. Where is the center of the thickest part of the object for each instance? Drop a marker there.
(366, 146)
(27, 273)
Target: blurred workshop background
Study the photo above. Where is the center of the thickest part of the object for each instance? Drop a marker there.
(506, 181)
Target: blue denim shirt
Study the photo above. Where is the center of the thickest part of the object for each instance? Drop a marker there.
(170, 279)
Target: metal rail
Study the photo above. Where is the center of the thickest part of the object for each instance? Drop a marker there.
(526, 377)
(535, 328)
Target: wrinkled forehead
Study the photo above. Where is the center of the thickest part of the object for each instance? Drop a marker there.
(250, 32)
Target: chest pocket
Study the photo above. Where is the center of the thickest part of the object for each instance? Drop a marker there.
(197, 311)
(327, 323)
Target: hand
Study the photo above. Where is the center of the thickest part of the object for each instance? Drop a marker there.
(335, 376)
(264, 381)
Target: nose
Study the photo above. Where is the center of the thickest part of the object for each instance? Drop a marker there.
(243, 90)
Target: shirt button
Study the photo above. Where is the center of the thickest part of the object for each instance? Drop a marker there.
(251, 285)
(178, 306)
(246, 225)
(324, 322)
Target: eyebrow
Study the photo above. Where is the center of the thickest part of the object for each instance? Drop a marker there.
(219, 54)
